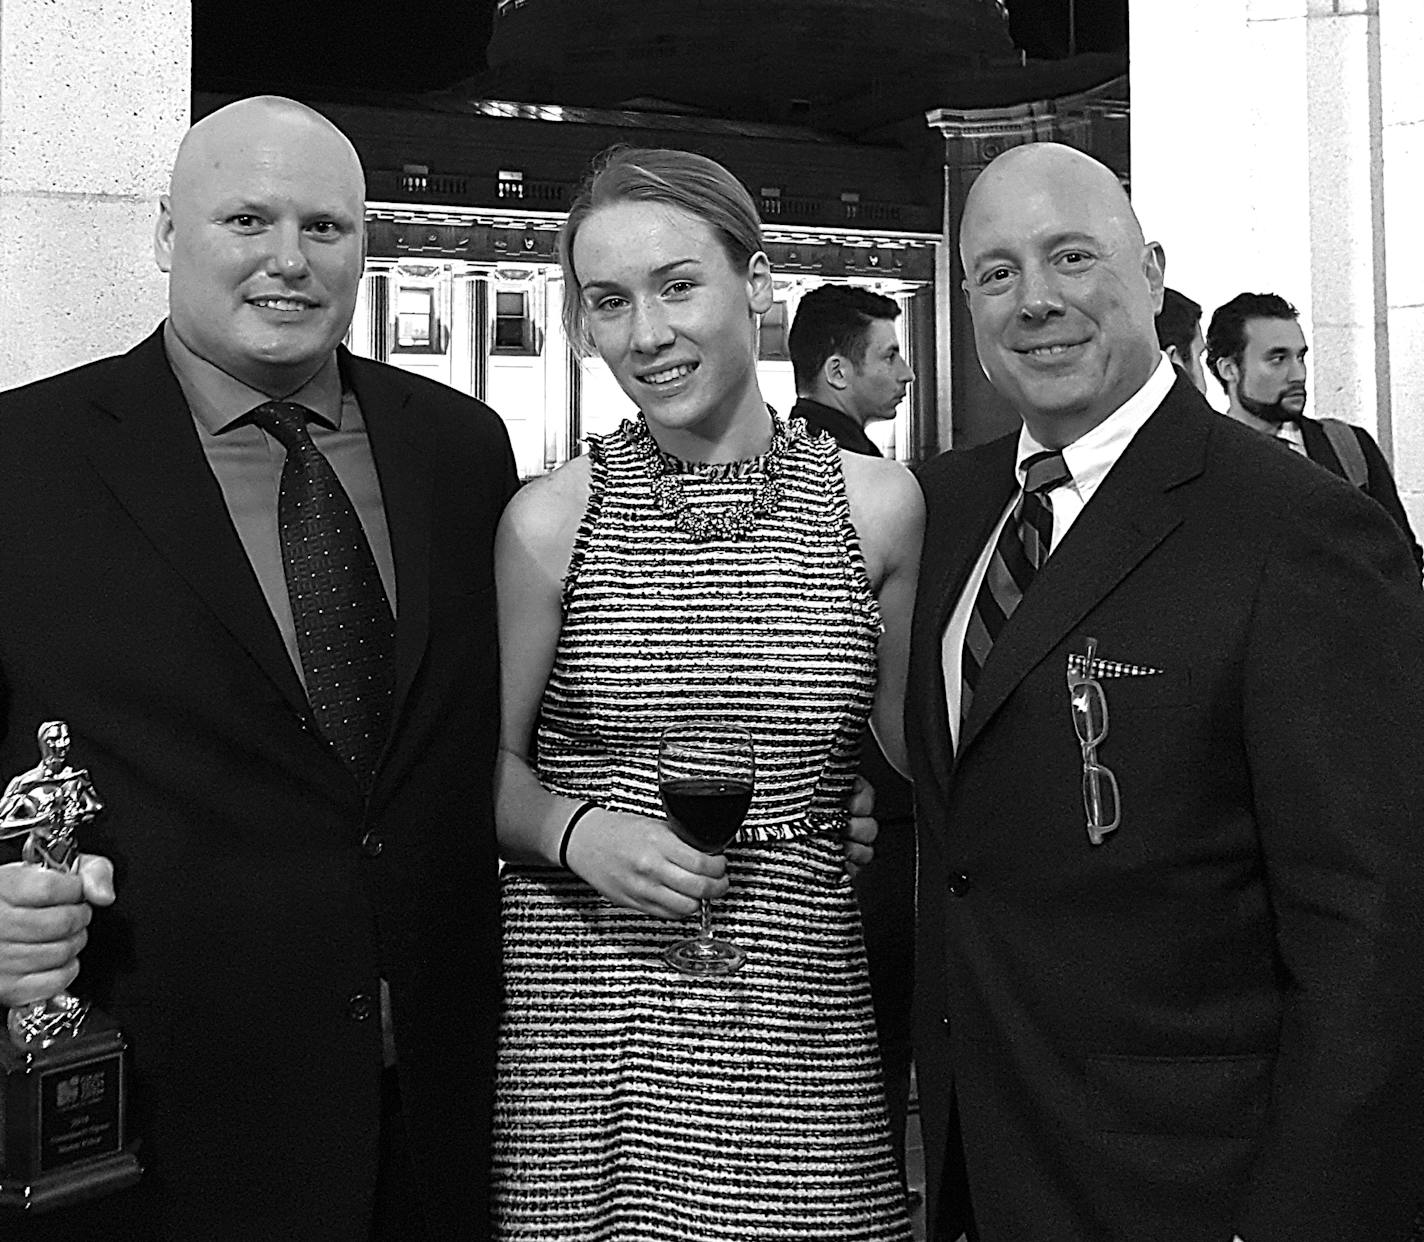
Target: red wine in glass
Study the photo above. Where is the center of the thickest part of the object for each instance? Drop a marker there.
(705, 775)
(706, 811)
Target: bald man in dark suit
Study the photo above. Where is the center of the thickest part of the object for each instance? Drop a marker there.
(297, 932)
(1167, 732)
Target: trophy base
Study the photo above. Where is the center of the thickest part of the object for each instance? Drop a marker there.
(56, 1190)
(63, 1119)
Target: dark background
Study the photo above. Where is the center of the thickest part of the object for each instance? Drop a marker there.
(331, 48)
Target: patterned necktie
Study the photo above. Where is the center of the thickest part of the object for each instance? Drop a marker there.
(1019, 553)
(345, 630)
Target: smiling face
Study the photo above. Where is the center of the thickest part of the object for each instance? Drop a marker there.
(1061, 287)
(877, 384)
(261, 234)
(673, 318)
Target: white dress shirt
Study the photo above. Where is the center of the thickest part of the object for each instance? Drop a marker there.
(1088, 458)
(1291, 435)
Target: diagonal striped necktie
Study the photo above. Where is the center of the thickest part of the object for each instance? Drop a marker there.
(1019, 553)
(345, 629)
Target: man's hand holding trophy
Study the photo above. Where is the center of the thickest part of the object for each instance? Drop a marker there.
(63, 1107)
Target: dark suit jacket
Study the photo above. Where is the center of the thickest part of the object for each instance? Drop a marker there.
(1212, 1022)
(259, 900)
(885, 889)
(1379, 485)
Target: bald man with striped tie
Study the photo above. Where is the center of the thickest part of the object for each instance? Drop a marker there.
(1166, 723)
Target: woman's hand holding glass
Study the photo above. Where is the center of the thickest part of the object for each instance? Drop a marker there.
(639, 862)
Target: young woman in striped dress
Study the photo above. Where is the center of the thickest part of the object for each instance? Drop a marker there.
(704, 564)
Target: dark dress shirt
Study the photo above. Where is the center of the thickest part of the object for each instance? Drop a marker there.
(840, 426)
(247, 464)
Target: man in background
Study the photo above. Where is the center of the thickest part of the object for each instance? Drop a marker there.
(253, 574)
(849, 367)
(1256, 350)
(849, 372)
(1180, 336)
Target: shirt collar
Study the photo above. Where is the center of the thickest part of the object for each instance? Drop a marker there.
(219, 400)
(827, 411)
(1095, 452)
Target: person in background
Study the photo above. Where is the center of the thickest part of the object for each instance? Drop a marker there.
(1179, 334)
(709, 564)
(254, 575)
(848, 364)
(1256, 350)
(849, 372)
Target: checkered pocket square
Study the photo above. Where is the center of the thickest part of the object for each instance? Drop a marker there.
(1104, 669)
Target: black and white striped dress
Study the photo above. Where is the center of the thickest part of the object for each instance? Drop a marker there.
(636, 1104)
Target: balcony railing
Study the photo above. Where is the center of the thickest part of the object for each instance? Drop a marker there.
(490, 190)
(444, 186)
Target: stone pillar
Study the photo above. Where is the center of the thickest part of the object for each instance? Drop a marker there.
(93, 100)
(1220, 150)
(1401, 77)
(1344, 143)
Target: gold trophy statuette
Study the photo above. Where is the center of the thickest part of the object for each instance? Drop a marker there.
(63, 1109)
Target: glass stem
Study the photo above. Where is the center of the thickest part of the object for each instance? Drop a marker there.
(706, 932)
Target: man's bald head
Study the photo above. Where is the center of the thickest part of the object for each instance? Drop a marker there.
(1061, 286)
(248, 122)
(261, 233)
(1040, 166)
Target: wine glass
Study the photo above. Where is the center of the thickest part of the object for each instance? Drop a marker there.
(705, 776)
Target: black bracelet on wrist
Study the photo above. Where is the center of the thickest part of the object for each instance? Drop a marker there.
(583, 809)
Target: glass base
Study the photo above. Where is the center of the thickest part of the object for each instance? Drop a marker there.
(696, 956)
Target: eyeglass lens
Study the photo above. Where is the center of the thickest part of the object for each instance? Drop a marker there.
(1100, 801)
(1090, 712)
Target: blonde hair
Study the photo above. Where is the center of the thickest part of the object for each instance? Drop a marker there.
(682, 179)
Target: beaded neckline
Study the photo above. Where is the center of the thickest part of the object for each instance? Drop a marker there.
(705, 522)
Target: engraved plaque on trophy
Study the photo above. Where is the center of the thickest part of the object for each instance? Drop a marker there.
(63, 1115)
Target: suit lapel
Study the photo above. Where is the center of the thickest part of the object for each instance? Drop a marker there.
(972, 507)
(401, 448)
(1132, 511)
(141, 440)
(962, 506)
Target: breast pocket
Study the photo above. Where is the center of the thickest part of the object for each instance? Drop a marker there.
(1173, 687)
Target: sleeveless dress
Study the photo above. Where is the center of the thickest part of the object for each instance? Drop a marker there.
(635, 1103)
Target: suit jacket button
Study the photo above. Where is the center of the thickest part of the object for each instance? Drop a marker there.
(360, 1007)
(372, 845)
(959, 885)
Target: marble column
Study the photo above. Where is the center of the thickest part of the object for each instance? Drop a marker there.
(93, 100)
(1401, 55)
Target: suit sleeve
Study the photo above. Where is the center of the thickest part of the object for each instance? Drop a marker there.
(1383, 490)
(1333, 703)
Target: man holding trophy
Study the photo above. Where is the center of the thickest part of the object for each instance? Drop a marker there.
(252, 573)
